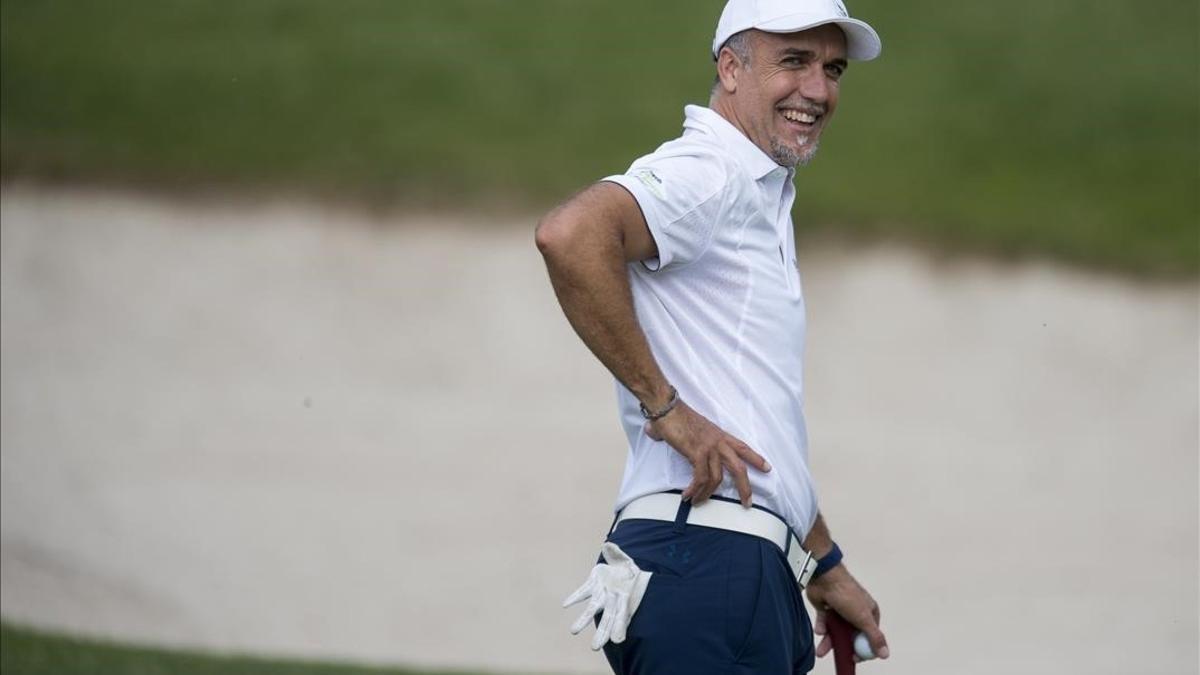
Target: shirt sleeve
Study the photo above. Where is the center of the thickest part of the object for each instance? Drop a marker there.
(681, 196)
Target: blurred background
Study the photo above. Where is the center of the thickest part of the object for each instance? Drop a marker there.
(285, 388)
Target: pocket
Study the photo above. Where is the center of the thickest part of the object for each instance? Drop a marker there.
(634, 630)
(654, 545)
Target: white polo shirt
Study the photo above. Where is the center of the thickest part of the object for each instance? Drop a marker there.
(723, 310)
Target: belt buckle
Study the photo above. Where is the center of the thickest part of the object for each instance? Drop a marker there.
(806, 571)
(802, 567)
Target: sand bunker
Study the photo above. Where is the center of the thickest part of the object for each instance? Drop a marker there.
(293, 430)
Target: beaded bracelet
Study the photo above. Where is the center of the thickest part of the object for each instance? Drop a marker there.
(674, 400)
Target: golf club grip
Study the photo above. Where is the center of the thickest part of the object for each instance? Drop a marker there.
(842, 635)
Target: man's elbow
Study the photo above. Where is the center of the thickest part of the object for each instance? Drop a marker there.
(586, 226)
(554, 234)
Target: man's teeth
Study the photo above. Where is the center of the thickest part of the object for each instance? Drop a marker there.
(797, 116)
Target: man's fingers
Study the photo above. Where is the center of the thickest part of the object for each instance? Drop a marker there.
(825, 646)
(702, 477)
(819, 624)
(878, 641)
(699, 480)
(716, 472)
(712, 478)
(875, 636)
(737, 470)
(752, 458)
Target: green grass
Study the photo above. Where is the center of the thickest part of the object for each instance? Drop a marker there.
(27, 652)
(1067, 128)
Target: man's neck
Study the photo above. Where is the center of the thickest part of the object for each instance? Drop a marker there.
(722, 106)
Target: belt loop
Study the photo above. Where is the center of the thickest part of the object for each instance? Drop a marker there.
(681, 516)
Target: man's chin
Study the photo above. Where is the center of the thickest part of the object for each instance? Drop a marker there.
(799, 154)
(807, 152)
(794, 157)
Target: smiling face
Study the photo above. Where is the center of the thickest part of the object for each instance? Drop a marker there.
(782, 91)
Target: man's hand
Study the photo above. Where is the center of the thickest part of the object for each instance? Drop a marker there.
(710, 450)
(839, 591)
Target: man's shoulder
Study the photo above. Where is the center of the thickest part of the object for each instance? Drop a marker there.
(692, 160)
(701, 150)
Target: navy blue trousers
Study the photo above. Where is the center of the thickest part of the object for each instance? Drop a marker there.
(718, 602)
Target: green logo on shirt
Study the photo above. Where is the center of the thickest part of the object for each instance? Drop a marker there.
(651, 181)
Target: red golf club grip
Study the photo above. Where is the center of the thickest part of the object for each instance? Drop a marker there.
(842, 635)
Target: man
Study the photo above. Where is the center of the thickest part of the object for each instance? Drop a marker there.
(681, 277)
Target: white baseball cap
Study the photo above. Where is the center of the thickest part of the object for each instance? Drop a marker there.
(793, 16)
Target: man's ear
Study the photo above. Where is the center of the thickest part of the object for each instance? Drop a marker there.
(729, 67)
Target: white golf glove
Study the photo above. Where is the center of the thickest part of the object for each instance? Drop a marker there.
(616, 588)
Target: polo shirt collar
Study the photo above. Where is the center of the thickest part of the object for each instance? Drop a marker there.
(754, 160)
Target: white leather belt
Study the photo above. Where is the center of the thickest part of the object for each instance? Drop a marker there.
(727, 516)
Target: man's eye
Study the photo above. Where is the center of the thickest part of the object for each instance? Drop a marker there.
(834, 71)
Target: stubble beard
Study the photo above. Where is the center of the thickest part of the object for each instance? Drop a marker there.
(786, 155)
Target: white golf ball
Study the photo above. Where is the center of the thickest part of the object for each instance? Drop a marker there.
(862, 647)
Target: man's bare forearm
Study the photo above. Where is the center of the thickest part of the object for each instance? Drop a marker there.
(587, 244)
(818, 542)
(583, 244)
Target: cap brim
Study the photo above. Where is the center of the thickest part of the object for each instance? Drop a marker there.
(862, 42)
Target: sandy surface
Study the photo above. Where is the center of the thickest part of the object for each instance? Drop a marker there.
(308, 432)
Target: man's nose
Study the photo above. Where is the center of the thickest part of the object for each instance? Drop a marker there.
(815, 86)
